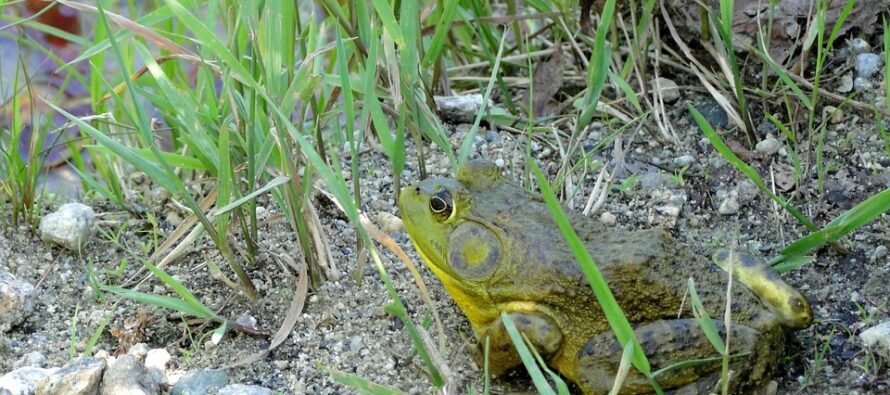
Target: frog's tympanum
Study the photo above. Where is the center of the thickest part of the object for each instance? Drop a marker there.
(497, 249)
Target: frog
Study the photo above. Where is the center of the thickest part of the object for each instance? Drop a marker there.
(497, 249)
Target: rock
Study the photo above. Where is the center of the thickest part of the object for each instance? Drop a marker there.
(71, 226)
(877, 338)
(747, 191)
(201, 382)
(78, 377)
(867, 64)
(667, 204)
(355, 344)
(729, 204)
(713, 112)
(845, 84)
(23, 381)
(128, 376)
(859, 46)
(247, 321)
(241, 389)
(861, 84)
(389, 223)
(768, 146)
(32, 359)
(667, 87)
(653, 180)
(608, 218)
(879, 253)
(139, 350)
(684, 160)
(16, 301)
(459, 109)
(833, 114)
(157, 358)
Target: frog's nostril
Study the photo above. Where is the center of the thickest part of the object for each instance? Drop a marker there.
(417, 189)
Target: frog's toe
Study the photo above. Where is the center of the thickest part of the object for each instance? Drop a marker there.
(787, 303)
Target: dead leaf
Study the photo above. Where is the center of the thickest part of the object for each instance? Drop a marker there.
(547, 81)
(790, 20)
(739, 150)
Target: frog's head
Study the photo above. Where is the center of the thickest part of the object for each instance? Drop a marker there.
(440, 215)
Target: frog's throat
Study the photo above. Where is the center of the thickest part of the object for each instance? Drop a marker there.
(476, 306)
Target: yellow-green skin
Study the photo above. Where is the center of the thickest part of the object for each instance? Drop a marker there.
(496, 249)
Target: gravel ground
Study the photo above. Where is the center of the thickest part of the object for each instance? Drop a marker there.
(344, 325)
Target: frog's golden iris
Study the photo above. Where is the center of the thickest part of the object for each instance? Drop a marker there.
(496, 249)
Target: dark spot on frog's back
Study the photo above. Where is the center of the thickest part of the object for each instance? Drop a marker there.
(722, 255)
(747, 260)
(772, 274)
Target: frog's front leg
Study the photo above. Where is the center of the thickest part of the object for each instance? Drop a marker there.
(665, 342)
(540, 329)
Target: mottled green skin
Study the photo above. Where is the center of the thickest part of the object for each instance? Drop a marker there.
(536, 279)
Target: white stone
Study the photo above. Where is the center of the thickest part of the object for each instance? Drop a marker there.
(389, 223)
(459, 109)
(667, 87)
(768, 146)
(877, 338)
(71, 226)
(608, 218)
(23, 381)
(16, 301)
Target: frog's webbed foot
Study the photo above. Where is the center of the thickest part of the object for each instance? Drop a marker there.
(788, 304)
(542, 331)
(669, 342)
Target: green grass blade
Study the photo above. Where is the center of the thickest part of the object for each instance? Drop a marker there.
(704, 319)
(614, 315)
(360, 384)
(467, 144)
(528, 360)
(384, 12)
(269, 185)
(183, 292)
(128, 154)
(752, 174)
(167, 302)
(443, 26)
(600, 59)
(842, 225)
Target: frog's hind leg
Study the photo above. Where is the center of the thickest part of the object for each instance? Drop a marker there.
(667, 343)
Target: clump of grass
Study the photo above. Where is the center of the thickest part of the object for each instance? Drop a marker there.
(20, 171)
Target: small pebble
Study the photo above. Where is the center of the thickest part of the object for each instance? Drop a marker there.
(16, 301)
(139, 350)
(608, 218)
(862, 84)
(768, 146)
(879, 253)
(71, 226)
(859, 45)
(242, 389)
(730, 203)
(877, 338)
(867, 64)
(389, 223)
(33, 359)
(833, 115)
(79, 376)
(845, 84)
(668, 89)
(157, 358)
(684, 160)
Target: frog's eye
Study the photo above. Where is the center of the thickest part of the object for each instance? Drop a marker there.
(441, 204)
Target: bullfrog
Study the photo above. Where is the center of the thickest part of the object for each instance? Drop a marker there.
(496, 249)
